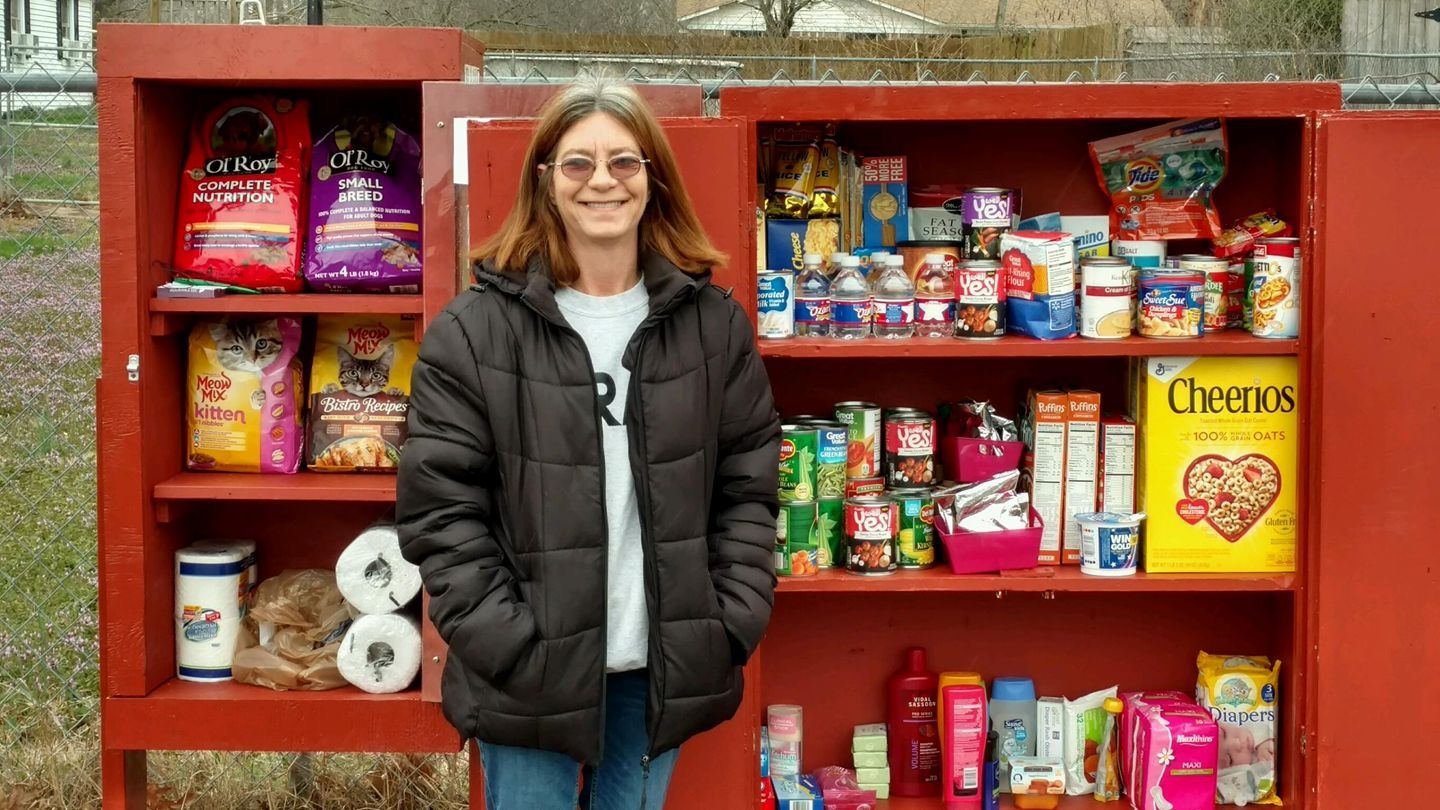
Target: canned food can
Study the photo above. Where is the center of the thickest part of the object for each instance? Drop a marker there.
(870, 535)
(1216, 273)
(1247, 313)
(915, 532)
(1170, 263)
(1172, 304)
(830, 532)
(916, 250)
(979, 300)
(909, 448)
(863, 422)
(1139, 252)
(796, 551)
(798, 445)
(1107, 298)
(1235, 285)
(775, 300)
(986, 214)
(864, 487)
(832, 449)
(1276, 288)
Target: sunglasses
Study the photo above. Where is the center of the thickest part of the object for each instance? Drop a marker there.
(621, 167)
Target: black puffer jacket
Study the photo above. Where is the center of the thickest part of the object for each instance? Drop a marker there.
(501, 502)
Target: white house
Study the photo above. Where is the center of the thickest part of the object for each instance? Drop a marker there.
(54, 37)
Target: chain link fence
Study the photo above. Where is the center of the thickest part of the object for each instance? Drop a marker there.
(49, 350)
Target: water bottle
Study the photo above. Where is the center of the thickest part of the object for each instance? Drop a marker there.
(894, 301)
(850, 302)
(812, 299)
(934, 298)
(833, 268)
(877, 264)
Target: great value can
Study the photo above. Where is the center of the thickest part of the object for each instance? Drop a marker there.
(1276, 288)
(1139, 252)
(863, 421)
(1107, 298)
(870, 525)
(1235, 286)
(909, 448)
(979, 300)
(1172, 303)
(832, 448)
(915, 535)
(1216, 273)
(796, 551)
(775, 299)
(986, 214)
(830, 532)
(798, 474)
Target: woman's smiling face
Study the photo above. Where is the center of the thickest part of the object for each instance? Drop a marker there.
(599, 209)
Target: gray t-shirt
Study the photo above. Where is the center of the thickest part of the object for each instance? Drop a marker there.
(606, 324)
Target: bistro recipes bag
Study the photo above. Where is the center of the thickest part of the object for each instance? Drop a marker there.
(360, 392)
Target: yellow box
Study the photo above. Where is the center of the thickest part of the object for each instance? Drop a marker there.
(1217, 470)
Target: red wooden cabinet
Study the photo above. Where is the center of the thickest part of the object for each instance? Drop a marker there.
(152, 81)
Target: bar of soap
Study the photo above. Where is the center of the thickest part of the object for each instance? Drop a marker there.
(869, 737)
(882, 791)
(870, 759)
(872, 776)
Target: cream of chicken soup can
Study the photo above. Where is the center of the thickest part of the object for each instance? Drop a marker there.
(1107, 298)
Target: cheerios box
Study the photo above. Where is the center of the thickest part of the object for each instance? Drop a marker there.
(1218, 441)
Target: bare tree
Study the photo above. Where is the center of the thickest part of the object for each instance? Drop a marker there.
(779, 14)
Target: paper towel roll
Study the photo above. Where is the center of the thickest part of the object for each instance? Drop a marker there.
(380, 653)
(372, 575)
(210, 584)
(252, 566)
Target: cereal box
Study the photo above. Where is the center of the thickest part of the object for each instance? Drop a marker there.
(886, 201)
(1117, 465)
(1218, 443)
(1082, 462)
(1044, 433)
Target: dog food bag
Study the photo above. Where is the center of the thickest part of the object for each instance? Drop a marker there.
(243, 392)
(242, 195)
(1160, 180)
(360, 392)
(364, 233)
(1243, 695)
(1218, 440)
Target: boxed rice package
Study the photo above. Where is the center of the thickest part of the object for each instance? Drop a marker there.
(1218, 445)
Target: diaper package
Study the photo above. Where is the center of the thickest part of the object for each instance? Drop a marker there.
(1169, 754)
(1242, 695)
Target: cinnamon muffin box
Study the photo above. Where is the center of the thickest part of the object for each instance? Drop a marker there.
(1217, 470)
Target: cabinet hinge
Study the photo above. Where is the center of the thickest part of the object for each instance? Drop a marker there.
(1304, 742)
(132, 368)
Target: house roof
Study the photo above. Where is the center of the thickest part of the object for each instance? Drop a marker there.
(1019, 13)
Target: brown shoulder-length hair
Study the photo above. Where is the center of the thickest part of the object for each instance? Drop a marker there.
(533, 229)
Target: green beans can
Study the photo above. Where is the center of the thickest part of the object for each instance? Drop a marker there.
(798, 446)
(830, 532)
(832, 449)
(915, 534)
(797, 553)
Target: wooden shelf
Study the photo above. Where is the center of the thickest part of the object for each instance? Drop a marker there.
(1222, 343)
(1062, 578)
(233, 716)
(1007, 802)
(303, 486)
(171, 316)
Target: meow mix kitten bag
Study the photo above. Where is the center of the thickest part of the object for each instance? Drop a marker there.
(242, 195)
(243, 399)
(360, 392)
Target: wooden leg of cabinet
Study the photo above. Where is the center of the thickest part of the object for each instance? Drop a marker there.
(122, 778)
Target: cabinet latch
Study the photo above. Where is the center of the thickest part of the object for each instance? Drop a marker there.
(132, 368)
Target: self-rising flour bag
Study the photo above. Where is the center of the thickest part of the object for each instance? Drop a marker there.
(241, 195)
(364, 233)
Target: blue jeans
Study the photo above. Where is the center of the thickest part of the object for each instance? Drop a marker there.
(527, 779)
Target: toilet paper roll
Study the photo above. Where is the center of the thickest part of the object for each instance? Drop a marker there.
(380, 653)
(210, 585)
(372, 575)
(252, 566)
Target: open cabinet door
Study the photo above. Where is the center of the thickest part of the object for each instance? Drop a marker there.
(1377, 333)
(718, 769)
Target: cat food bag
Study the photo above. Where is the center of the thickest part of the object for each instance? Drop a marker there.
(1160, 180)
(1243, 695)
(364, 233)
(360, 392)
(242, 194)
(243, 387)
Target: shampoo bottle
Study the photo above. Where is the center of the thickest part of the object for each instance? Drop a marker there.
(914, 746)
(962, 713)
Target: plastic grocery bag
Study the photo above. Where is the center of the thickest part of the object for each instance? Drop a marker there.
(294, 631)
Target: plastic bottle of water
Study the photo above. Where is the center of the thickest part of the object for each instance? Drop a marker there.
(833, 268)
(894, 301)
(812, 299)
(850, 302)
(877, 264)
(934, 298)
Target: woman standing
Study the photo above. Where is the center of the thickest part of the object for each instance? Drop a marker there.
(589, 485)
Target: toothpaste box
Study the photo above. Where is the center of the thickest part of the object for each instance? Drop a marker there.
(1117, 465)
(797, 793)
(1091, 234)
(1082, 462)
(1044, 430)
(1050, 728)
(886, 198)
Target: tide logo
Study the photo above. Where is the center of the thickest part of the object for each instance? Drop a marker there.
(1142, 176)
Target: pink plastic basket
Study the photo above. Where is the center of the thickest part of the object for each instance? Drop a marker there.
(969, 460)
(983, 552)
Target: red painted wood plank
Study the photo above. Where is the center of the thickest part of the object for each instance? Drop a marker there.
(304, 486)
(1065, 578)
(302, 304)
(1223, 343)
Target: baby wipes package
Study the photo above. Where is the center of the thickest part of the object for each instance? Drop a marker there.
(1242, 694)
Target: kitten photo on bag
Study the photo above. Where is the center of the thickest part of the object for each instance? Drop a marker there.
(360, 392)
(243, 396)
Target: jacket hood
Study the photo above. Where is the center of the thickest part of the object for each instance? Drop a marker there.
(663, 281)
